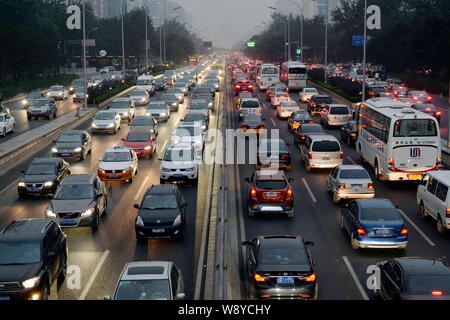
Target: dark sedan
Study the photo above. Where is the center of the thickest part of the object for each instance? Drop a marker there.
(171, 101)
(349, 133)
(73, 144)
(305, 130)
(144, 123)
(252, 124)
(42, 177)
(317, 103)
(297, 119)
(273, 152)
(428, 108)
(281, 267)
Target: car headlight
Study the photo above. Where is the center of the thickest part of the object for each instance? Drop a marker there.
(165, 169)
(49, 213)
(21, 184)
(143, 99)
(163, 114)
(174, 104)
(48, 184)
(125, 113)
(190, 169)
(210, 104)
(139, 221)
(177, 221)
(60, 94)
(203, 127)
(110, 125)
(88, 213)
(77, 149)
(48, 93)
(24, 101)
(147, 148)
(31, 283)
(71, 88)
(94, 125)
(54, 150)
(147, 114)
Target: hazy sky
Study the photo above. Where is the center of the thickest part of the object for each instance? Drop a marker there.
(227, 21)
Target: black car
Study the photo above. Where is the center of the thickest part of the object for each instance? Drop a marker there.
(170, 100)
(42, 177)
(79, 201)
(317, 103)
(33, 255)
(413, 279)
(281, 267)
(428, 108)
(76, 144)
(305, 130)
(162, 213)
(349, 133)
(196, 118)
(273, 152)
(297, 119)
(160, 84)
(144, 123)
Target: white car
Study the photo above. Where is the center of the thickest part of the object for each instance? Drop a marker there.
(190, 133)
(179, 164)
(140, 97)
(335, 115)
(106, 121)
(183, 86)
(249, 106)
(58, 93)
(124, 107)
(145, 82)
(287, 108)
(278, 98)
(306, 94)
(177, 92)
(350, 182)
(321, 151)
(118, 164)
(78, 94)
(158, 110)
(7, 124)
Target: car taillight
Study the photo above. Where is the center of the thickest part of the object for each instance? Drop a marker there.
(438, 113)
(341, 155)
(447, 210)
(370, 185)
(310, 278)
(353, 134)
(428, 98)
(438, 161)
(250, 87)
(237, 86)
(342, 186)
(309, 155)
(253, 195)
(285, 156)
(289, 195)
(404, 232)
(311, 121)
(361, 232)
(391, 162)
(436, 293)
(260, 278)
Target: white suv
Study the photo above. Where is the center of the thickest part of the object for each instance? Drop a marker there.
(179, 164)
(321, 151)
(306, 94)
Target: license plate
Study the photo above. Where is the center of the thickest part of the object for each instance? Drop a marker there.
(68, 222)
(34, 190)
(415, 176)
(383, 232)
(326, 158)
(65, 154)
(158, 230)
(178, 175)
(113, 176)
(355, 186)
(272, 209)
(285, 280)
(271, 195)
(4, 298)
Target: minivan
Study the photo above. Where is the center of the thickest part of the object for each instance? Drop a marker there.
(321, 151)
(335, 115)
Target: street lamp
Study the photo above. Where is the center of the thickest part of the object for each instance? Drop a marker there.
(87, 36)
(286, 37)
(301, 24)
(326, 42)
(165, 19)
(364, 53)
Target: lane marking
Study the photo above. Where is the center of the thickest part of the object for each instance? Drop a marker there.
(273, 121)
(10, 185)
(94, 275)
(355, 278)
(431, 243)
(144, 183)
(351, 160)
(309, 190)
(164, 146)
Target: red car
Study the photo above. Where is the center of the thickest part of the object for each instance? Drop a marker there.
(269, 191)
(143, 143)
(243, 86)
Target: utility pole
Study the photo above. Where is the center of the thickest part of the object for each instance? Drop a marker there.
(84, 55)
(123, 43)
(364, 53)
(326, 43)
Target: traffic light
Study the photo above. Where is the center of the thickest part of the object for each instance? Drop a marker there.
(251, 44)
(298, 51)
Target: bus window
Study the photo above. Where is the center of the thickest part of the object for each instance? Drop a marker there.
(415, 128)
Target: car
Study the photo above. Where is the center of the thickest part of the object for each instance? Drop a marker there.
(124, 107)
(171, 101)
(160, 84)
(350, 182)
(106, 121)
(335, 115)
(44, 107)
(140, 97)
(96, 81)
(281, 267)
(349, 133)
(428, 108)
(208, 98)
(214, 83)
(243, 86)
(273, 152)
(321, 151)
(285, 109)
(75, 84)
(144, 123)
(419, 96)
(253, 123)
(58, 92)
(413, 278)
(79, 201)
(118, 164)
(269, 191)
(250, 106)
(306, 129)
(242, 95)
(376, 91)
(73, 144)
(374, 223)
(179, 164)
(7, 124)
(204, 90)
(183, 86)
(149, 280)
(317, 103)
(30, 97)
(400, 90)
(275, 87)
(33, 257)
(42, 177)
(161, 214)
(306, 93)
(190, 133)
(196, 118)
(79, 94)
(199, 106)
(278, 98)
(145, 82)
(297, 119)
(143, 143)
(158, 110)
(177, 92)
(433, 198)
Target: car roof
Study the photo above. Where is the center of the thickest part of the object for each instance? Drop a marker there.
(284, 241)
(270, 174)
(162, 189)
(73, 132)
(46, 160)
(122, 99)
(334, 105)
(351, 167)
(423, 266)
(374, 203)
(79, 179)
(25, 230)
(320, 96)
(442, 175)
(321, 137)
(146, 270)
(118, 149)
(250, 99)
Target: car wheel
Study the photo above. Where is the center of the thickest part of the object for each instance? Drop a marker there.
(342, 222)
(353, 242)
(307, 167)
(13, 128)
(336, 198)
(83, 154)
(63, 273)
(422, 213)
(95, 223)
(251, 213)
(439, 226)
(161, 181)
(4, 132)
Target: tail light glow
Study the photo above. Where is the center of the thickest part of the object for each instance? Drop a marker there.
(341, 155)
(253, 195)
(342, 186)
(404, 232)
(436, 293)
(289, 195)
(361, 232)
(259, 278)
(310, 278)
(309, 155)
(370, 185)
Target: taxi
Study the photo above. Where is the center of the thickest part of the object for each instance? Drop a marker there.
(118, 164)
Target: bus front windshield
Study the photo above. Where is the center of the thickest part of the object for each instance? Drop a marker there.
(268, 71)
(415, 128)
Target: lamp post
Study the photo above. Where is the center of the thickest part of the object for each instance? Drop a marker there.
(364, 53)
(123, 42)
(87, 36)
(84, 56)
(302, 17)
(286, 40)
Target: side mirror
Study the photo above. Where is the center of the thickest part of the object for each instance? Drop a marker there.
(181, 296)
(247, 180)
(309, 243)
(107, 298)
(247, 243)
(54, 141)
(22, 171)
(136, 206)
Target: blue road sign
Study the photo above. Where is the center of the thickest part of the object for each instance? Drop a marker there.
(358, 41)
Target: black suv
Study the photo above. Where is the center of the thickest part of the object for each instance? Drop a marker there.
(33, 255)
(79, 201)
(42, 177)
(74, 144)
(317, 103)
(161, 214)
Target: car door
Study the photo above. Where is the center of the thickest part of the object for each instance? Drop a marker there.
(350, 216)
(134, 160)
(441, 205)
(87, 141)
(51, 252)
(429, 197)
(174, 283)
(391, 280)
(252, 261)
(8, 122)
(332, 178)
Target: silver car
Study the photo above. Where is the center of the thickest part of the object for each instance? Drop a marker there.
(140, 97)
(106, 121)
(321, 151)
(124, 107)
(171, 101)
(177, 92)
(158, 110)
(350, 182)
(335, 115)
(58, 93)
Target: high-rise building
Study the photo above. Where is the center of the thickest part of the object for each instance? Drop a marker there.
(99, 7)
(310, 8)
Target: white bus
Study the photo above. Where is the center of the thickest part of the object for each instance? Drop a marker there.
(266, 75)
(294, 75)
(399, 142)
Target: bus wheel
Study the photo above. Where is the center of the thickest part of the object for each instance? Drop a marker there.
(377, 172)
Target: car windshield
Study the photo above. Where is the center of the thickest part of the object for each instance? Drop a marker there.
(138, 137)
(252, 118)
(415, 128)
(74, 192)
(198, 106)
(271, 70)
(282, 256)
(160, 201)
(245, 95)
(297, 70)
(418, 93)
(354, 174)
(157, 289)
(167, 97)
(116, 157)
(41, 168)
(12, 253)
(159, 81)
(339, 110)
(324, 100)
(290, 105)
(34, 95)
(157, 106)
(104, 116)
(139, 93)
(272, 145)
(2, 118)
(142, 122)
(271, 184)
(379, 214)
(301, 116)
(119, 105)
(312, 129)
(188, 131)
(310, 91)
(56, 88)
(179, 155)
(40, 103)
(282, 95)
(425, 284)
(194, 117)
(143, 82)
(69, 138)
(326, 146)
(250, 104)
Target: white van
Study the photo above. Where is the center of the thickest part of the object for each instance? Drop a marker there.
(145, 82)
(321, 151)
(335, 115)
(433, 198)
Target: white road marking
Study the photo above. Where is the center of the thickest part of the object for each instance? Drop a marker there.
(10, 185)
(273, 121)
(164, 146)
(141, 187)
(431, 243)
(94, 275)
(351, 160)
(355, 278)
(309, 190)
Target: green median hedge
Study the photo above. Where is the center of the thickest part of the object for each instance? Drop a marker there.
(97, 99)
